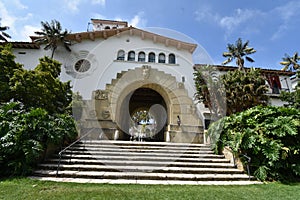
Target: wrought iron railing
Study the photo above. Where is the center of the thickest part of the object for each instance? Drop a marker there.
(243, 155)
(68, 147)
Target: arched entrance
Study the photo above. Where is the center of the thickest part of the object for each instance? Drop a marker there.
(149, 92)
(143, 116)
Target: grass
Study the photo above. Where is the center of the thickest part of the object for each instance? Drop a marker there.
(25, 188)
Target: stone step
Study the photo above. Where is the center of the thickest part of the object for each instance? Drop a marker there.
(116, 146)
(127, 157)
(116, 149)
(142, 175)
(148, 182)
(125, 168)
(170, 163)
(133, 154)
(154, 144)
(140, 162)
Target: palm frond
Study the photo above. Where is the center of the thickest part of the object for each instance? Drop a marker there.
(4, 28)
(227, 61)
(6, 35)
(3, 38)
(249, 59)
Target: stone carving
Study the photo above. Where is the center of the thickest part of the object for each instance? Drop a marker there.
(146, 71)
(93, 113)
(180, 85)
(105, 114)
(101, 95)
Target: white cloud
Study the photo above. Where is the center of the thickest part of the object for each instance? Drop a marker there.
(6, 18)
(288, 10)
(72, 5)
(98, 16)
(19, 5)
(12, 21)
(205, 14)
(99, 2)
(289, 17)
(27, 31)
(230, 23)
(252, 21)
(138, 20)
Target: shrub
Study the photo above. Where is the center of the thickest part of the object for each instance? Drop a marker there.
(269, 135)
(25, 135)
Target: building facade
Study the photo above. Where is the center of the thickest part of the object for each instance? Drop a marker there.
(125, 73)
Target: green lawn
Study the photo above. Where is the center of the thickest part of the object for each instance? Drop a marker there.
(24, 188)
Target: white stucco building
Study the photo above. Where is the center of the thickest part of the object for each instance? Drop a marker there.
(121, 70)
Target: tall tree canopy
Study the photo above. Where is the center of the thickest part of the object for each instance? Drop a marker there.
(37, 88)
(7, 67)
(52, 35)
(241, 90)
(238, 51)
(244, 90)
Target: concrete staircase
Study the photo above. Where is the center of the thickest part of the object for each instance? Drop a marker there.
(106, 161)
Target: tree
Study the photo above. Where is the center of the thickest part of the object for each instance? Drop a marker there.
(3, 35)
(290, 63)
(237, 51)
(235, 92)
(7, 67)
(210, 91)
(244, 90)
(52, 35)
(41, 87)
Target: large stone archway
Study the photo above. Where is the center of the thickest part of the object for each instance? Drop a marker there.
(111, 106)
(143, 115)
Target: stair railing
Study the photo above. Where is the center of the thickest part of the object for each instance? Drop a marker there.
(66, 148)
(248, 162)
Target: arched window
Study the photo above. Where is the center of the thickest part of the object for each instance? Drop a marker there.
(142, 57)
(121, 55)
(107, 27)
(151, 57)
(131, 56)
(172, 59)
(161, 58)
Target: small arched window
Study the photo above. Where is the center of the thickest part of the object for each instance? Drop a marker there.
(151, 57)
(161, 58)
(142, 57)
(131, 56)
(121, 55)
(107, 27)
(172, 59)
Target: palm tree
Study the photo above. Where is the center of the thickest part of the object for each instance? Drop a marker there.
(290, 63)
(52, 35)
(237, 51)
(3, 35)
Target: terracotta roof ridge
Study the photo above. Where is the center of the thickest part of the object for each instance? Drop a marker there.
(229, 68)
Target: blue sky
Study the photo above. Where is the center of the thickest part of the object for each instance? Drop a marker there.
(271, 26)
